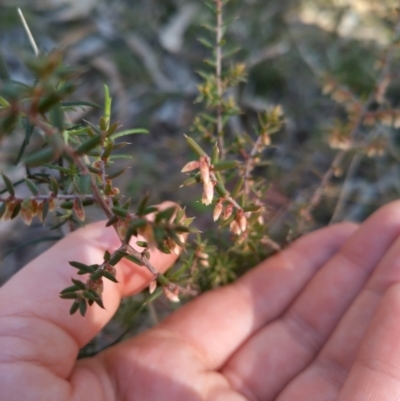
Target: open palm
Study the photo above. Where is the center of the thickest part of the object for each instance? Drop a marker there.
(318, 321)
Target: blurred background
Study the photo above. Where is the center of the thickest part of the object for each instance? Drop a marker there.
(148, 52)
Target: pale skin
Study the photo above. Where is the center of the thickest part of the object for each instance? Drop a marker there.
(319, 321)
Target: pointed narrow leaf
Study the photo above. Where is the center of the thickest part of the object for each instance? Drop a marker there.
(142, 205)
(72, 288)
(89, 144)
(79, 284)
(74, 307)
(32, 186)
(57, 117)
(225, 165)
(82, 266)
(69, 295)
(108, 275)
(120, 212)
(129, 132)
(16, 211)
(44, 155)
(195, 146)
(8, 184)
(82, 307)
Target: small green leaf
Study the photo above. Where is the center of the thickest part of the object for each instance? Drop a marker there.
(116, 258)
(129, 132)
(82, 266)
(108, 275)
(69, 295)
(142, 244)
(133, 259)
(113, 219)
(32, 186)
(165, 214)
(81, 104)
(57, 117)
(117, 173)
(107, 107)
(96, 275)
(82, 307)
(142, 205)
(107, 150)
(16, 211)
(74, 307)
(99, 302)
(195, 146)
(44, 155)
(72, 288)
(118, 211)
(206, 43)
(8, 184)
(89, 144)
(225, 165)
(45, 209)
(79, 284)
(107, 256)
(215, 154)
(150, 209)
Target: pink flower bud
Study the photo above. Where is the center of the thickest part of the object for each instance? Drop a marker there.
(204, 170)
(242, 221)
(52, 204)
(217, 210)
(208, 193)
(228, 212)
(26, 215)
(152, 286)
(193, 165)
(204, 263)
(171, 295)
(234, 228)
(78, 209)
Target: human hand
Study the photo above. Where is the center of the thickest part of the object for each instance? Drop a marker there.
(318, 321)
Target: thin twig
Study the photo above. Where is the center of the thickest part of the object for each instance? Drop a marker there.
(250, 164)
(28, 33)
(218, 70)
(48, 197)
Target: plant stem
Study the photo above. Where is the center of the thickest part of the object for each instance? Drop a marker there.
(218, 70)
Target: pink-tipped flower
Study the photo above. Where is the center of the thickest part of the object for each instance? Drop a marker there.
(242, 220)
(204, 170)
(217, 210)
(52, 204)
(193, 165)
(208, 194)
(228, 212)
(171, 295)
(235, 228)
(78, 209)
(181, 237)
(202, 255)
(204, 263)
(152, 286)
(26, 215)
